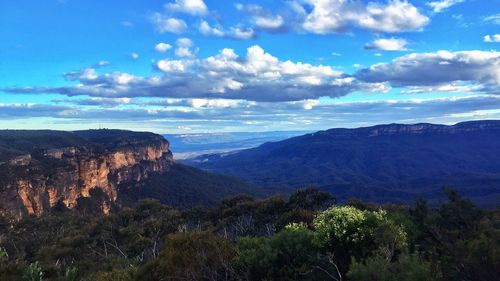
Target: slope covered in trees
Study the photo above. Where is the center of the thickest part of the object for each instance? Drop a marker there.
(384, 163)
(185, 187)
(306, 237)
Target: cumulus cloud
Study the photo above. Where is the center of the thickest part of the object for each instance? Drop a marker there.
(85, 74)
(492, 38)
(323, 17)
(169, 24)
(258, 76)
(269, 23)
(162, 47)
(391, 44)
(185, 48)
(442, 5)
(208, 30)
(134, 56)
(262, 18)
(192, 7)
(235, 32)
(430, 69)
(333, 16)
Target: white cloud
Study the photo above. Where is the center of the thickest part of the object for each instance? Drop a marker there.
(445, 88)
(162, 47)
(492, 38)
(167, 24)
(214, 103)
(442, 5)
(242, 33)
(86, 74)
(257, 76)
(392, 44)
(234, 32)
(331, 16)
(429, 69)
(173, 66)
(261, 77)
(262, 18)
(223, 114)
(493, 19)
(134, 56)
(396, 16)
(271, 22)
(207, 30)
(192, 7)
(185, 48)
(184, 42)
(184, 52)
(102, 63)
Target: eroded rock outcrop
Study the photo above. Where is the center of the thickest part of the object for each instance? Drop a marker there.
(66, 174)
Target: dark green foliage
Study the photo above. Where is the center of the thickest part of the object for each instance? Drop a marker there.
(18, 142)
(243, 238)
(377, 268)
(126, 274)
(113, 139)
(193, 256)
(310, 199)
(33, 272)
(288, 255)
(184, 187)
(454, 236)
(71, 274)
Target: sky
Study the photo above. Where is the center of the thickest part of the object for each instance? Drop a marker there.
(191, 66)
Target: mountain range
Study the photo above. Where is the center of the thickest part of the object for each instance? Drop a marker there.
(43, 169)
(384, 163)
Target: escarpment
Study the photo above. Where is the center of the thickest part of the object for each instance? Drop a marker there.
(39, 169)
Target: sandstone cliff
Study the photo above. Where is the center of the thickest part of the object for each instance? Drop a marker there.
(32, 183)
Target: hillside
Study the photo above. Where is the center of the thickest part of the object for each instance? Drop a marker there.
(40, 170)
(185, 187)
(381, 163)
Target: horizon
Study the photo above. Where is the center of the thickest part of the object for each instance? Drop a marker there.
(258, 132)
(194, 66)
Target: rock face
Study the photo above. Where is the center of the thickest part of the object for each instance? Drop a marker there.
(105, 160)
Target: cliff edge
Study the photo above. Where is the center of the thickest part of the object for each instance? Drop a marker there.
(39, 169)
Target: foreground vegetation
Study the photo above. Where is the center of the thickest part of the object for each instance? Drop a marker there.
(307, 237)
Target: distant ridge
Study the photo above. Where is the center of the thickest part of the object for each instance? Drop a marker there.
(393, 162)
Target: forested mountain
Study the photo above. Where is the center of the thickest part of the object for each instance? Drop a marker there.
(381, 163)
(43, 169)
(77, 207)
(306, 237)
(186, 187)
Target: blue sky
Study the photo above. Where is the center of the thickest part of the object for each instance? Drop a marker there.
(203, 66)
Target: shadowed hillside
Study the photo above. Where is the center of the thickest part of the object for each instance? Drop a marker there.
(381, 163)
